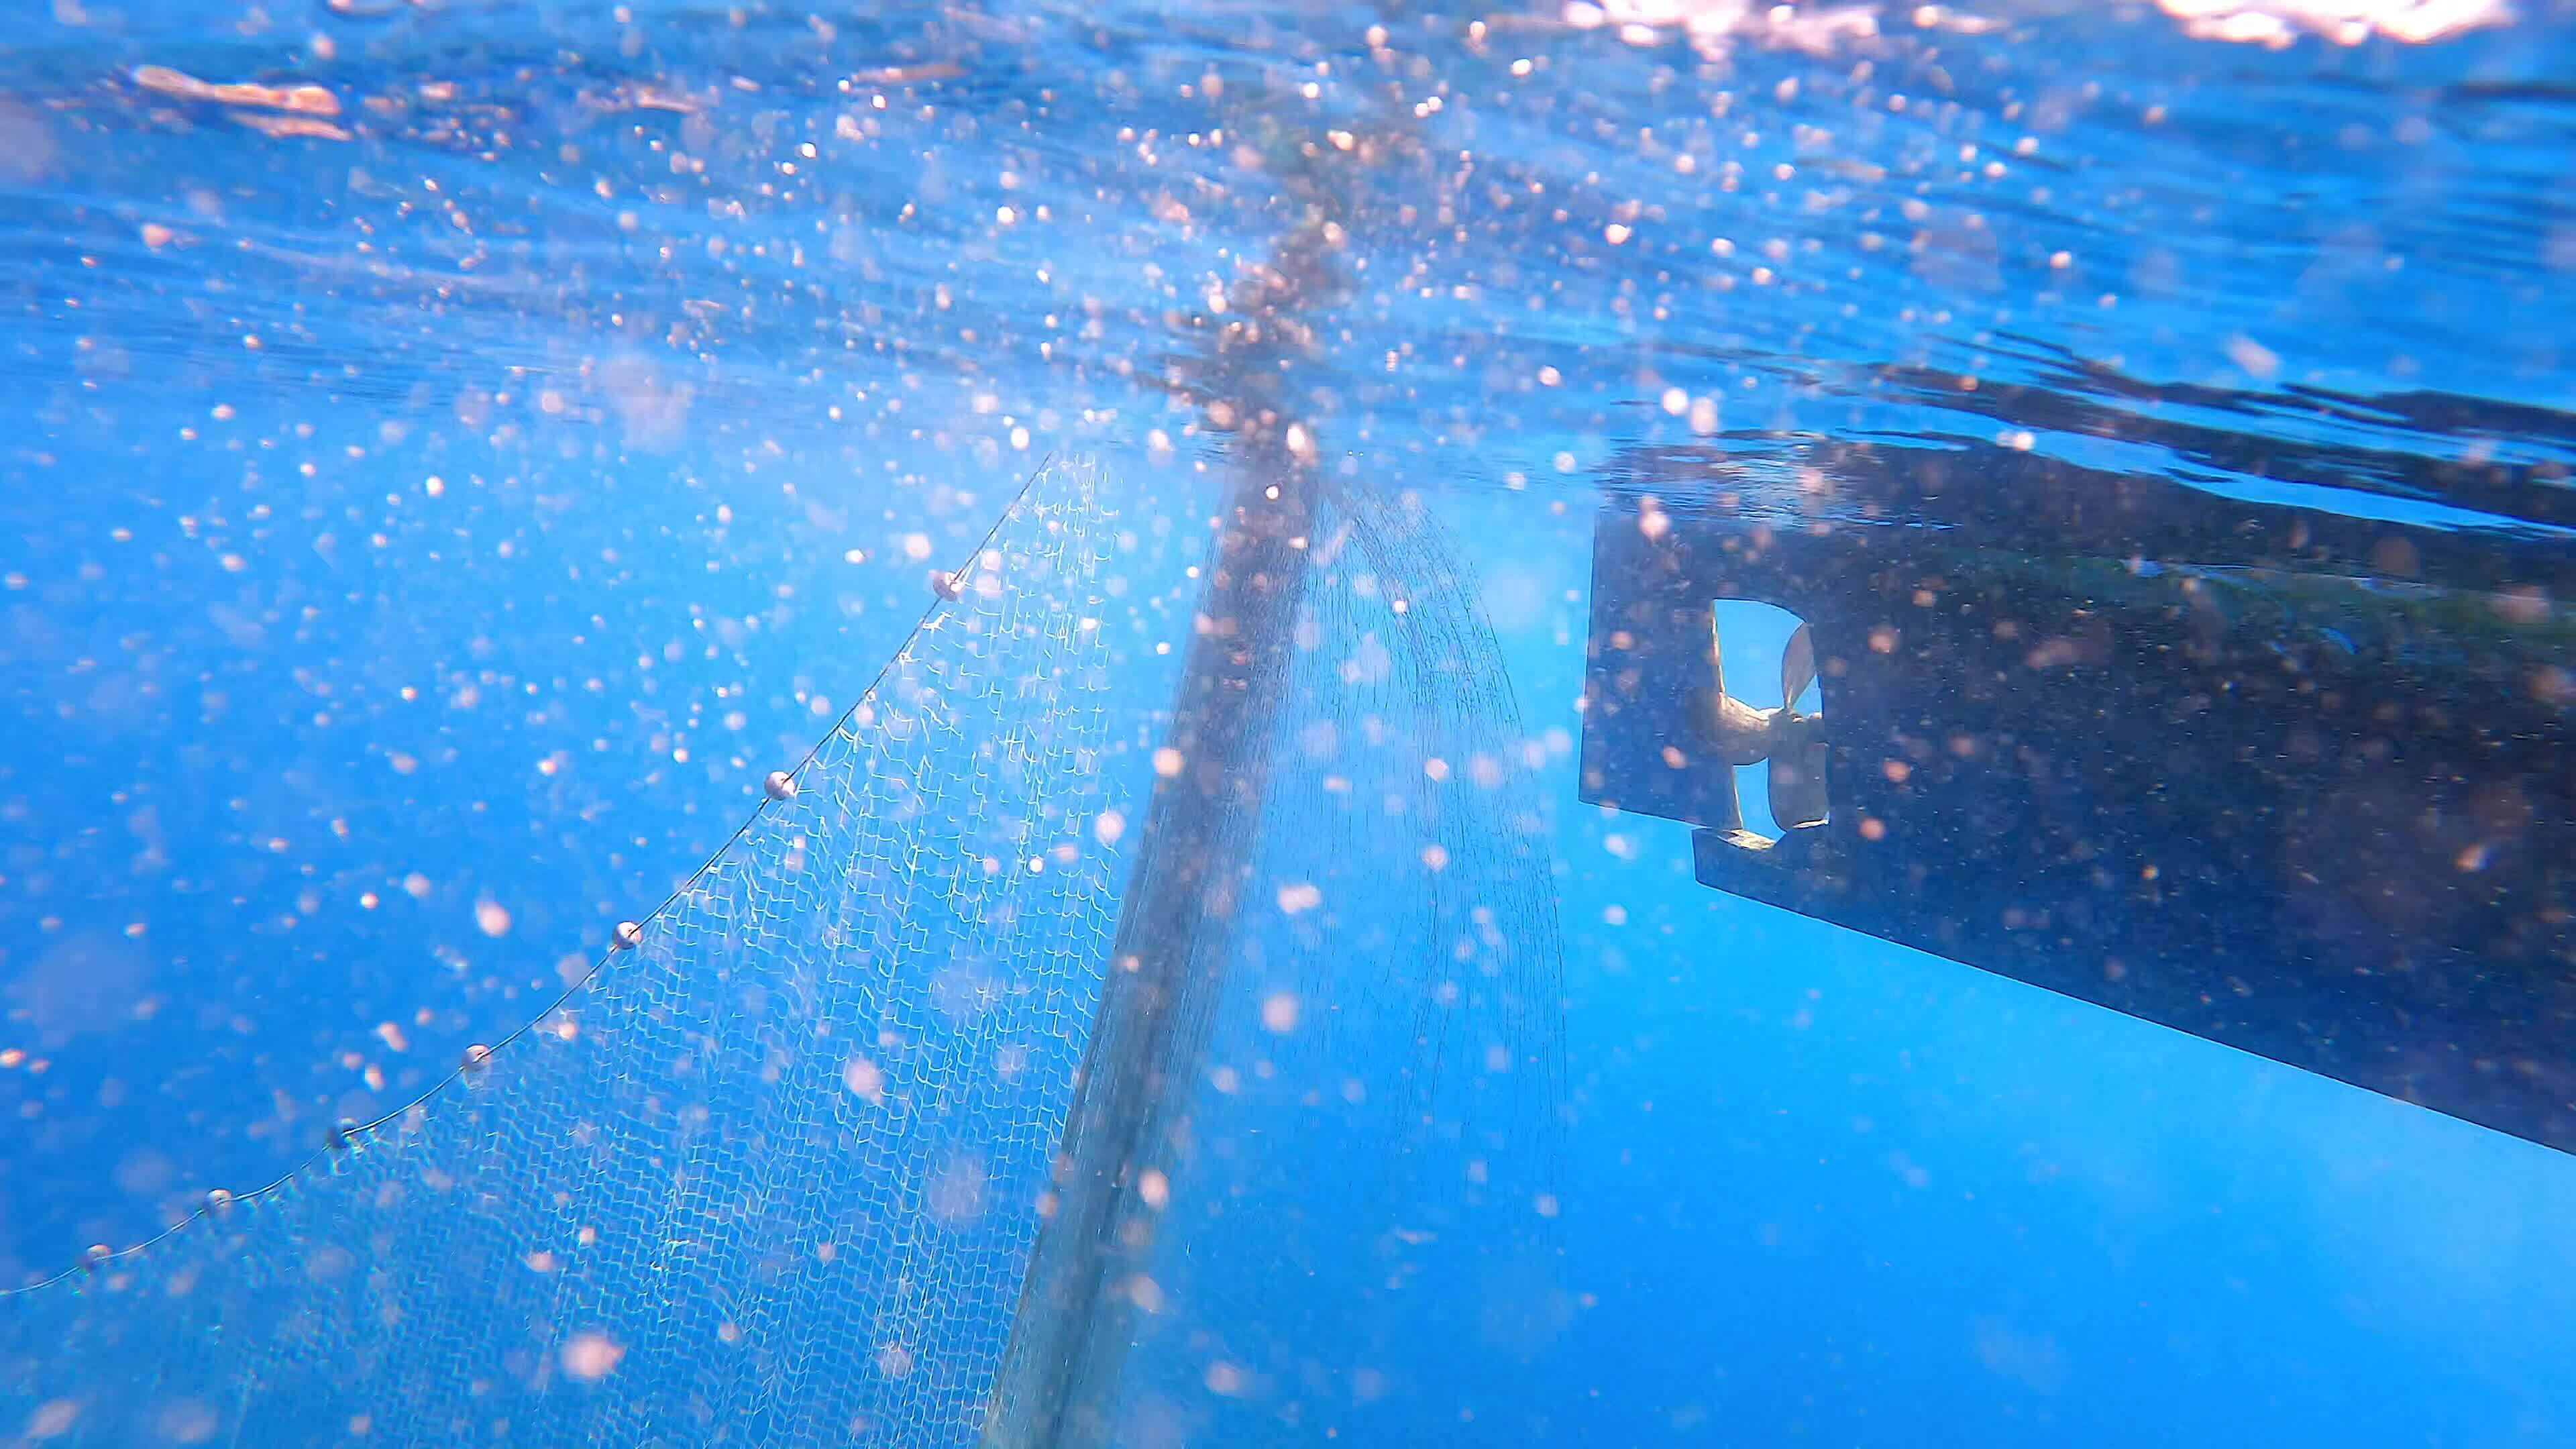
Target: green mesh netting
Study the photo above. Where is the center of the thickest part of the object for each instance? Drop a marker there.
(779, 1173)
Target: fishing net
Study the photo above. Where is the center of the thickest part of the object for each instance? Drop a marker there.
(762, 1179)
(1333, 1210)
(774, 1174)
(1359, 1241)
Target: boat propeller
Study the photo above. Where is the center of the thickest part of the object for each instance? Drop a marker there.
(1793, 743)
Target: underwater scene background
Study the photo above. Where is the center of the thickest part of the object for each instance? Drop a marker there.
(451, 454)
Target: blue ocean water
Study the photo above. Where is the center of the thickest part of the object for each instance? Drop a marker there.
(446, 472)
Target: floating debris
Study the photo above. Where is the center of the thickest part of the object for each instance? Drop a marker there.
(304, 99)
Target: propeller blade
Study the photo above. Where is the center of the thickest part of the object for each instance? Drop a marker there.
(1736, 731)
(1723, 806)
(1797, 666)
(1798, 786)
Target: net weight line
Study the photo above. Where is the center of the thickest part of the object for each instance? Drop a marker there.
(947, 588)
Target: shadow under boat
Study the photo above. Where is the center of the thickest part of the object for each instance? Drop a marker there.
(2280, 778)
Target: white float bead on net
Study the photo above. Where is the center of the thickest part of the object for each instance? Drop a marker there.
(945, 584)
(628, 936)
(477, 1057)
(218, 1200)
(342, 1132)
(780, 785)
(95, 1256)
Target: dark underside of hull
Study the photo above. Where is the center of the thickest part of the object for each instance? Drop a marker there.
(2281, 778)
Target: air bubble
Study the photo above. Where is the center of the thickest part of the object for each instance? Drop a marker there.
(780, 785)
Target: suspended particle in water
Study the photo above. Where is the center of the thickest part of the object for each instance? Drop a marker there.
(628, 936)
(186, 1421)
(780, 786)
(955, 1195)
(591, 1356)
